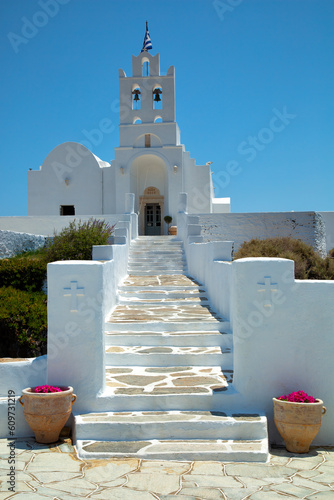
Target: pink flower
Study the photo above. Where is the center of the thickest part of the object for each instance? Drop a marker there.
(47, 388)
(298, 397)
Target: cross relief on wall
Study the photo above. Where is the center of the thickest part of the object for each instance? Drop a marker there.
(74, 291)
(266, 289)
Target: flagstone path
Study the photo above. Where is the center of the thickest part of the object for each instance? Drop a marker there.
(55, 472)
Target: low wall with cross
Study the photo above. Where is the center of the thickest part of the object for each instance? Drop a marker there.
(283, 328)
(81, 295)
(283, 331)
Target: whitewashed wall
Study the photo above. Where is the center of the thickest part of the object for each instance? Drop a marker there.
(283, 329)
(307, 226)
(46, 225)
(283, 339)
(70, 175)
(278, 348)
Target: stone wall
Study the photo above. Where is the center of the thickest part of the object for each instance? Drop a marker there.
(12, 243)
(328, 218)
(307, 226)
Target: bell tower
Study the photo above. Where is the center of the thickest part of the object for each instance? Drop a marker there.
(147, 97)
(150, 161)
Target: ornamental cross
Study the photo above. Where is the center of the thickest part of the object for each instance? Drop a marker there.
(267, 288)
(74, 291)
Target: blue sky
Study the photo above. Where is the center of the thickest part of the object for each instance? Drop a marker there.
(254, 89)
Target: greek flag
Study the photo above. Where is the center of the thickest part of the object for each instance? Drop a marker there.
(147, 45)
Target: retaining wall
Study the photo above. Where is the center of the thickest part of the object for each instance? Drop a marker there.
(12, 243)
(307, 226)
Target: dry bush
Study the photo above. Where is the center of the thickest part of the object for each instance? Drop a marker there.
(308, 263)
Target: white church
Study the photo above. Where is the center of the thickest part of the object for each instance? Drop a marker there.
(150, 161)
(170, 326)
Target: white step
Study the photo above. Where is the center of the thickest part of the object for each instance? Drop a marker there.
(159, 288)
(154, 273)
(162, 268)
(168, 247)
(141, 261)
(169, 338)
(166, 301)
(156, 253)
(156, 356)
(154, 326)
(169, 425)
(148, 293)
(189, 450)
(168, 263)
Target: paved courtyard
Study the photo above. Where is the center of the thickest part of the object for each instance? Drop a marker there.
(54, 471)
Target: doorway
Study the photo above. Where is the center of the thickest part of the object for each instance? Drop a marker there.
(152, 219)
(151, 212)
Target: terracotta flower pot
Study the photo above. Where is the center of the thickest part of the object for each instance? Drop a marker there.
(298, 423)
(47, 413)
(172, 230)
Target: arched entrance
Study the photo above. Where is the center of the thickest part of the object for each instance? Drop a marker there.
(151, 212)
(149, 184)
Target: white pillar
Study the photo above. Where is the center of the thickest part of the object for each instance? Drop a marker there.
(129, 203)
(75, 353)
(183, 203)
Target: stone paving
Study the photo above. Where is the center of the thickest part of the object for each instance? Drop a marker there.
(166, 380)
(160, 281)
(163, 314)
(54, 471)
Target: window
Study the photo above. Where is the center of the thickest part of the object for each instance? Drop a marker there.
(136, 120)
(67, 210)
(158, 119)
(136, 98)
(145, 67)
(147, 140)
(157, 98)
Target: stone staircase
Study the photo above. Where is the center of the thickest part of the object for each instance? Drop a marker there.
(169, 366)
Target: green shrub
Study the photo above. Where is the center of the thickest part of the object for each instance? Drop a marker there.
(23, 323)
(23, 273)
(30, 254)
(23, 307)
(308, 263)
(75, 241)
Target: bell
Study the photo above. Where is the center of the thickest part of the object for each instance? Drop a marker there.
(136, 94)
(157, 93)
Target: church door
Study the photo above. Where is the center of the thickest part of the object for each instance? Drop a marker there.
(152, 219)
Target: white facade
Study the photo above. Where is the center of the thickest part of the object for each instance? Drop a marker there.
(150, 161)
